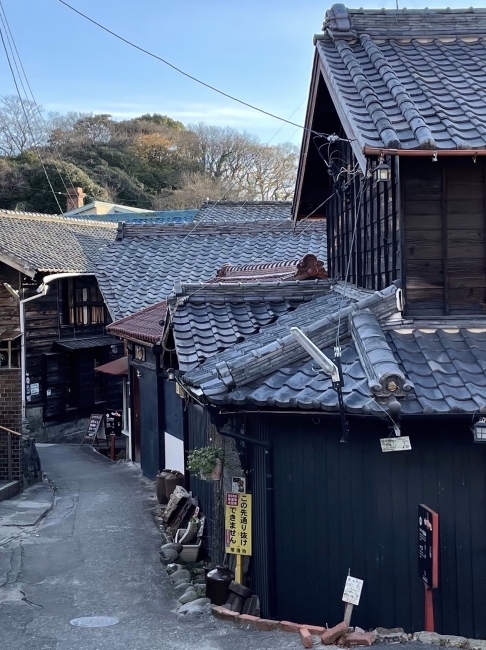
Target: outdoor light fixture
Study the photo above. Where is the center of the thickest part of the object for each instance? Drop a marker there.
(382, 171)
(171, 374)
(479, 430)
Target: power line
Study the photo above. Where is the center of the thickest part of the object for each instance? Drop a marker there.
(186, 74)
(13, 47)
(27, 119)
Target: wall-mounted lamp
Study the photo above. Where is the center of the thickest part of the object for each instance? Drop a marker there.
(434, 156)
(171, 374)
(114, 348)
(139, 373)
(479, 430)
(382, 171)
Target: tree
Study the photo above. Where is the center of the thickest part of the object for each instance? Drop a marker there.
(21, 125)
(195, 188)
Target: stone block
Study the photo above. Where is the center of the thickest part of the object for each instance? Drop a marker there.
(427, 637)
(180, 576)
(188, 597)
(252, 606)
(451, 641)
(476, 644)
(287, 626)
(391, 635)
(172, 546)
(168, 556)
(265, 624)
(332, 634)
(181, 587)
(359, 638)
(195, 611)
(172, 568)
(306, 637)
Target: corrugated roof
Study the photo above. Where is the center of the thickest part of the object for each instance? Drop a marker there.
(407, 79)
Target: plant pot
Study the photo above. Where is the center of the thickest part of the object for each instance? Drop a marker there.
(160, 486)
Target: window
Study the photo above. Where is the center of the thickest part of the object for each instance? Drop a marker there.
(81, 303)
(10, 353)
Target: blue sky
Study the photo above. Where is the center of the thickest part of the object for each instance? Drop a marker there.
(258, 50)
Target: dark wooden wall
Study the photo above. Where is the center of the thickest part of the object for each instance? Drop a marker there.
(373, 209)
(350, 506)
(444, 249)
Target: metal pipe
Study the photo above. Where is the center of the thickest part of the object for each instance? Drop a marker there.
(9, 457)
(472, 153)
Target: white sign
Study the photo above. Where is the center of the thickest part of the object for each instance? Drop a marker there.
(34, 389)
(396, 444)
(48, 392)
(352, 590)
(238, 484)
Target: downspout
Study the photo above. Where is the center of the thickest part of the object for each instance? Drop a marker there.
(41, 291)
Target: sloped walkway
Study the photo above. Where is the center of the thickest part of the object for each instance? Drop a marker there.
(96, 554)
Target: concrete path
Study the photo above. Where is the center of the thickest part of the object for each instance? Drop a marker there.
(96, 554)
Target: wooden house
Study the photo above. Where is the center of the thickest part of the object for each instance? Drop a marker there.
(138, 273)
(52, 320)
(393, 159)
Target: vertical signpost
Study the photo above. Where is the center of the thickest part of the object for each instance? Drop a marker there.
(428, 558)
(238, 529)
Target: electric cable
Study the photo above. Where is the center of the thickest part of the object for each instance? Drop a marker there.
(186, 74)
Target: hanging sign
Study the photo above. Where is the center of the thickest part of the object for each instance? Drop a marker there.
(401, 443)
(428, 546)
(238, 523)
(352, 590)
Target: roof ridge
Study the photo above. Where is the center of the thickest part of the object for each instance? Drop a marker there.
(55, 218)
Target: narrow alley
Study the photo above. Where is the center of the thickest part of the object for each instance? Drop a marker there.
(96, 554)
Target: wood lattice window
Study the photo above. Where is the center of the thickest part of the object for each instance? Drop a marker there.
(81, 302)
(10, 353)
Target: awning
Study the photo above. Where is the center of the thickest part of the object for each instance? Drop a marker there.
(116, 367)
(81, 344)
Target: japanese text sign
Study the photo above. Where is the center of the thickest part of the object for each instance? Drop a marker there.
(238, 523)
(428, 546)
(352, 590)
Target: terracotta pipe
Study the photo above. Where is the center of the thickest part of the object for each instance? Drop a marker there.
(374, 151)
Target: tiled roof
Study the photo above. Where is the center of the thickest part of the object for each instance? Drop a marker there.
(159, 216)
(52, 244)
(304, 269)
(407, 79)
(207, 319)
(146, 325)
(217, 211)
(140, 269)
(417, 369)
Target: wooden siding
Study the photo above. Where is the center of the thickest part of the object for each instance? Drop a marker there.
(9, 305)
(444, 249)
(341, 507)
(373, 254)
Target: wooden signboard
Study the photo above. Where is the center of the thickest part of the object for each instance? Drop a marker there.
(95, 429)
(238, 523)
(428, 546)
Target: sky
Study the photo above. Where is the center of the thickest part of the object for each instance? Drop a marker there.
(258, 50)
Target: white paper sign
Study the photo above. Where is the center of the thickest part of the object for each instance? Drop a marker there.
(396, 444)
(352, 590)
(34, 389)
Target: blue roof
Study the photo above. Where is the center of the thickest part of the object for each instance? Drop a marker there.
(160, 216)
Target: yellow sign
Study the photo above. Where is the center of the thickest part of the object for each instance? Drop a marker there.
(238, 523)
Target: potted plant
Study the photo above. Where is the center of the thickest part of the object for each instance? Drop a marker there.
(207, 462)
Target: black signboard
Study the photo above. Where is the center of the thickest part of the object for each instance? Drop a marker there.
(113, 423)
(428, 543)
(93, 431)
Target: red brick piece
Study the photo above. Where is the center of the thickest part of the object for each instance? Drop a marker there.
(247, 619)
(316, 630)
(217, 610)
(360, 638)
(332, 634)
(306, 637)
(287, 626)
(266, 625)
(226, 614)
